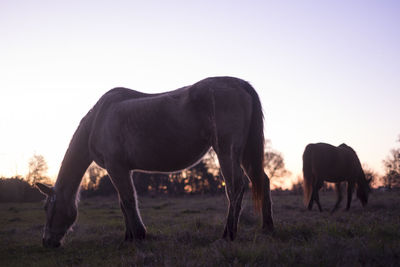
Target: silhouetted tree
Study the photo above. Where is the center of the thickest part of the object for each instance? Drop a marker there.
(37, 170)
(392, 168)
(105, 187)
(200, 179)
(177, 183)
(141, 181)
(159, 183)
(274, 165)
(370, 174)
(197, 180)
(297, 187)
(211, 162)
(92, 176)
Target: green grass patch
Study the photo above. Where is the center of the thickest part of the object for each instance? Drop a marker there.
(187, 232)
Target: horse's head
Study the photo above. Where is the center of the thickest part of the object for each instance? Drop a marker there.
(363, 190)
(60, 216)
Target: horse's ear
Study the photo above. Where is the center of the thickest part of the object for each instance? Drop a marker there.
(44, 189)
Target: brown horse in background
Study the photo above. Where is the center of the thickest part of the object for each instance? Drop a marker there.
(128, 130)
(324, 162)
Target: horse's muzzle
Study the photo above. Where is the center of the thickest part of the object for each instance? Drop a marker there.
(49, 243)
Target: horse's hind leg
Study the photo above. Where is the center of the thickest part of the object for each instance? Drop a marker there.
(350, 189)
(339, 197)
(128, 201)
(310, 204)
(235, 184)
(268, 224)
(314, 197)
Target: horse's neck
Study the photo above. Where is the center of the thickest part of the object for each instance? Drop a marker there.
(74, 164)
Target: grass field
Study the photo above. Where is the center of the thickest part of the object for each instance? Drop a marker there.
(186, 232)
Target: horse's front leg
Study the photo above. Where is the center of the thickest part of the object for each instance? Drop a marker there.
(128, 201)
(350, 189)
(128, 232)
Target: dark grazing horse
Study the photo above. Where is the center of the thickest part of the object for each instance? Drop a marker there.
(324, 162)
(128, 130)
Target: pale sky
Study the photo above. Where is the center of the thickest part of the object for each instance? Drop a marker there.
(326, 71)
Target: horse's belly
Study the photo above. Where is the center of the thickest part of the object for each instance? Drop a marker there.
(169, 160)
(334, 179)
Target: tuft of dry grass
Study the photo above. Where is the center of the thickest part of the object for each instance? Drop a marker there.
(186, 232)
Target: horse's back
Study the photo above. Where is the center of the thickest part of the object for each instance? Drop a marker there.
(320, 152)
(198, 96)
(171, 130)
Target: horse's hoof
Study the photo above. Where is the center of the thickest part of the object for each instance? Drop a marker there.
(128, 238)
(140, 235)
(268, 226)
(228, 236)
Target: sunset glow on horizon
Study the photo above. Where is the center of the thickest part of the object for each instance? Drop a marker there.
(324, 71)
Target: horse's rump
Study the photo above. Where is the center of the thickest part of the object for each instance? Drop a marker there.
(307, 174)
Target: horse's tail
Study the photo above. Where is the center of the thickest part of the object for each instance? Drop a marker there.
(253, 156)
(307, 174)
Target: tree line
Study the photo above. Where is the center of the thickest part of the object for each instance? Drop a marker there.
(203, 178)
(200, 179)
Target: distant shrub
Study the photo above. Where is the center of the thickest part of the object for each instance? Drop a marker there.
(104, 188)
(16, 189)
(297, 187)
